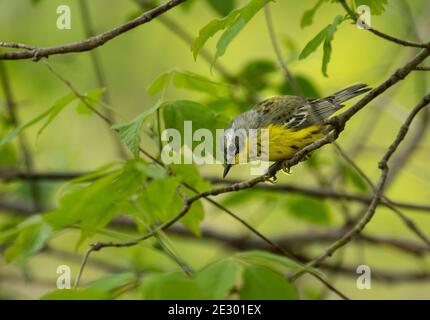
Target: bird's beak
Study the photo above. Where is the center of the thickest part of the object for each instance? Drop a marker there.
(227, 167)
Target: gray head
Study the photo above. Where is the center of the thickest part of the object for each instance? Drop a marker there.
(234, 139)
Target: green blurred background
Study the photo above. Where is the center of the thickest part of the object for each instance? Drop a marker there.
(132, 61)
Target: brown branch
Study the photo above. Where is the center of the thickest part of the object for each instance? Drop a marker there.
(99, 72)
(323, 193)
(336, 123)
(397, 76)
(422, 69)
(90, 43)
(383, 165)
(98, 246)
(291, 242)
(12, 174)
(408, 222)
(16, 45)
(354, 16)
(289, 77)
(298, 240)
(182, 34)
(25, 150)
(17, 207)
(317, 192)
(387, 276)
(404, 156)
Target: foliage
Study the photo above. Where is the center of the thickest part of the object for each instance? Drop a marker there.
(233, 23)
(326, 36)
(138, 196)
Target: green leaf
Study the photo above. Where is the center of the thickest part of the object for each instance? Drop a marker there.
(326, 57)
(223, 7)
(175, 113)
(306, 86)
(262, 283)
(130, 132)
(308, 209)
(107, 287)
(76, 294)
(92, 97)
(159, 84)
(377, 7)
(94, 205)
(312, 45)
(95, 174)
(326, 36)
(245, 15)
(233, 23)
(58, 106)
(217, 279)
(269, 260)
(8, 156)
(29, 241)
(239, 198)
(211, 29)
(189, 174)
(327, 43)
(194, 217)
(352, 176)
(171, 286)
(186, 80)
(112, 282)
(160, 200)
(256, 73)
(308, 15)
(9, 234)
(192, 81)
(51, 113)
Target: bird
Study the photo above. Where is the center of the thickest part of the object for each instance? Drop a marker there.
(293, 122)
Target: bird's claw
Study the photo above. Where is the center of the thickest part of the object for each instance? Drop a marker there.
(271, 179)
(285, 167)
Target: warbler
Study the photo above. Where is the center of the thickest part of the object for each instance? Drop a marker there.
(292, 122)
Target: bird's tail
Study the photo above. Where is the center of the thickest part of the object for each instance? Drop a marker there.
(349, 93)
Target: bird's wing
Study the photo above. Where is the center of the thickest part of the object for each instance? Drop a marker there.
(293, 112)
(298, 112)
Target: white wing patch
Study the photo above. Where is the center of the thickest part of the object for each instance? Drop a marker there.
(299, 117)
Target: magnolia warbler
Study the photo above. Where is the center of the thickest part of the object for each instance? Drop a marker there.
(292, 122)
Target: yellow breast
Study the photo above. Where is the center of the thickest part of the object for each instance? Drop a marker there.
(284, 143)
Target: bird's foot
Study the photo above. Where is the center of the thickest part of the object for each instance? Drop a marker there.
(306, 157)
(286, 167)
(271, 179)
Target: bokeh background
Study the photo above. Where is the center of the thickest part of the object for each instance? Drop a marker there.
(80, 143)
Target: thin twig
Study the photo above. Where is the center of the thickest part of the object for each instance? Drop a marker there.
(11, 175)
(354, 16)
(289, 77)
(25, 149)
(408, 222)
(383, 165)
(422, 69)
(92, 42)
(99, 71)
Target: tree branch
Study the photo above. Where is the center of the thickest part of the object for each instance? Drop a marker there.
(25, 150)
(99, 72)
(383, 165)
(87, 44)
(354, 16)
